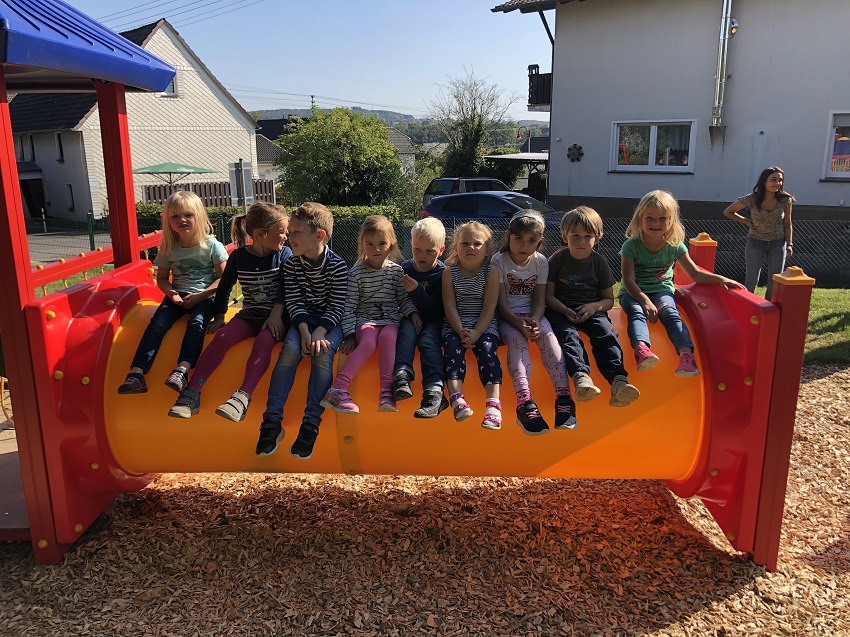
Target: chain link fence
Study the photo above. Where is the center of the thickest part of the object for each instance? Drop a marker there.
(821, 247)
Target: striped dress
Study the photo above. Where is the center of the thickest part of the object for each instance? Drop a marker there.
(469, 299)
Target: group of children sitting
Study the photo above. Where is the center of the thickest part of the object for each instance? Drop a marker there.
(306, 296)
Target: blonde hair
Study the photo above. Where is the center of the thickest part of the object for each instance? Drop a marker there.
(371, 225)
(317, 216)
(523, 222)
(470, 226)
(184, 201)
(430, 229)
(260, 217)
(662, 201)
(585, 218)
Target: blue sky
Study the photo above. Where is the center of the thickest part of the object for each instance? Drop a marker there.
(389, 54)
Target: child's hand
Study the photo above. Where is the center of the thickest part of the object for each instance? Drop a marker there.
(469, 337)
(274, 324)
(651, 311)
(571, 315)
(191, 300)
(306, 342)
(729, 284)
(584, 312)
(319, 342)
(175, 297)
(348, 345)
(531, 328)
(216, 324)
(417, 321)
(409, 283)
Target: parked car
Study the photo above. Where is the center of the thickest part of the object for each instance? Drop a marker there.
(454, 185)
(495, 209)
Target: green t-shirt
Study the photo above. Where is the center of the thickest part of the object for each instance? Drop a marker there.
(192, 269)
(653, 270)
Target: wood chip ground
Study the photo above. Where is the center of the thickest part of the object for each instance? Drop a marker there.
(252, 555)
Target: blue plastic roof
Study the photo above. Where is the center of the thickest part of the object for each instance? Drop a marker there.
(47, 45)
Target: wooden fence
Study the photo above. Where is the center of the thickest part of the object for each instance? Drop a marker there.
(212, 193)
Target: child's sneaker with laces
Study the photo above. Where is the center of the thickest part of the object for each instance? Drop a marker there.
(177, 380)
(565, 413)
(401, 386)
(529, 419)
(687, 366)
(133, 384)
(433, 402)
(585, 389)
(236, 407)
(271, 433)
(188, 404)
(622, 393)
(339, 400)
(386, 402)
(644, 357)
(306, 440)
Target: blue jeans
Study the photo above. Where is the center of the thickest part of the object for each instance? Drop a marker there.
(667, 314)
(283, 376)
(603, 341)
(166, 315)
(756, 252)
(430, 354)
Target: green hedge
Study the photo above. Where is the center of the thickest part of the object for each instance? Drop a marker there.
(151, 211)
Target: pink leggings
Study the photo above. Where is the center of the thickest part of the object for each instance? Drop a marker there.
(369, 338)
(236, 331)
(519, 361)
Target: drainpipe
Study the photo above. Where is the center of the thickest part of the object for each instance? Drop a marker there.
(717, 127)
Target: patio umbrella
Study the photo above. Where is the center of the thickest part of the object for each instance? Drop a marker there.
(171, 172)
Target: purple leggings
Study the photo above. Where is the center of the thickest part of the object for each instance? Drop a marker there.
(236, 331)
(519, 361)
(369, 338)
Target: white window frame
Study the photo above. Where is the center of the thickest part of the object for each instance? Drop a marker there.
(828, 147)
(653, 134)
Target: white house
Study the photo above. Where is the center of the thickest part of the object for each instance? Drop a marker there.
(636, 94)
(194, 122)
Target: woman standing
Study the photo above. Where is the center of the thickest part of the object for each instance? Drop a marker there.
(769, 222)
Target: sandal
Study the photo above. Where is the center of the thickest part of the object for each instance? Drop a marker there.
(460, 407)
(493, 415)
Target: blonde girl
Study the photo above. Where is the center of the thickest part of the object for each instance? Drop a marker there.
(470, 295)
(375, 305)
(257, 268)
(654, 242)
(523, 273)
(190, 262)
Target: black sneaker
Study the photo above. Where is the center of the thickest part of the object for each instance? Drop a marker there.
(433, 402)
(133, 384)
(303, 445)
(565, 413)
(528, 417)
(271, 433)
(401, 386)
(187, 405)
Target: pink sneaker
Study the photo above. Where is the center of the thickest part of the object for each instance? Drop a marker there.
(644, 357)
(339, 400)
(386, 402)
(687, 366)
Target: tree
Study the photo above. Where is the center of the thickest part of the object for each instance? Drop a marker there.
(462, 111)
(339, 158)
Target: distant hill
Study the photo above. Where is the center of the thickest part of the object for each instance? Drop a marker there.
(390, 117)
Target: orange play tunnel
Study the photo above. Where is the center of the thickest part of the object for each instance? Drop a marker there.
(657, 437)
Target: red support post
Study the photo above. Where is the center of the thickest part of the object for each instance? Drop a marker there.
(702, 250)
(16, 292)
(112, 106)
(792, 293)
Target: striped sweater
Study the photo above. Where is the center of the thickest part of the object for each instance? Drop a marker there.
(375, 297)
(316, 293)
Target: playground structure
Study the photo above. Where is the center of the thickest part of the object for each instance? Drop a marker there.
(724, 436)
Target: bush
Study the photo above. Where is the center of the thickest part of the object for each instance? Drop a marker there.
(359, 213)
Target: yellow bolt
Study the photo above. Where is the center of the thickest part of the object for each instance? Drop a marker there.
(748, 380)
(82, 254)
(95, 466)
(703, 306)
(348, 440)
(730, 537)
(754, 319)
(150, 271)
(721, 386)
(85, 380)
(50, 315)
(100, 249)
(713, 472)
(110, 303)
(78, 528)
(61, 260)
(43, 544)
(39, 267)
(58, 375)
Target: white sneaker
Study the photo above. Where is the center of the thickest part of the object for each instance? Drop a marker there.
(623, 394)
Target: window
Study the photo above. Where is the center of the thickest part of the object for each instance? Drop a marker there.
(70, 196)
(19, 147)
(653, 146)
(32, 148)
(838, 146)
(60, 152)
(493, 207)
(171, 89)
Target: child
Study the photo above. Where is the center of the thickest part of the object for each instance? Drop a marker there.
(422, 279)
(316, 285)
(579, 294)
(653, 244)
(194, 260)
(523, 273)
(470, 295)
(257, 268)
(375, 305)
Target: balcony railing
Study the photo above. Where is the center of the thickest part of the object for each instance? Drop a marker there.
(539, 89)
